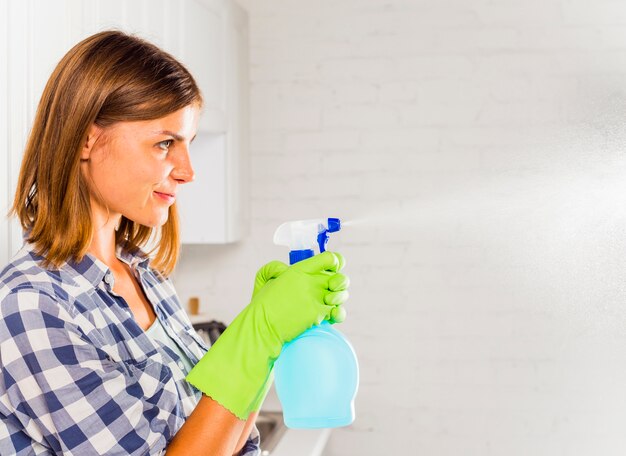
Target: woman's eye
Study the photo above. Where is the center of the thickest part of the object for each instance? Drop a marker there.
(165, 145)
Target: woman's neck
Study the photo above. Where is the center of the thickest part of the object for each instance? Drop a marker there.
(103, 240)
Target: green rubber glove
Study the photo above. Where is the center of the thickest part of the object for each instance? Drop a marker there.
(237, 369)
(268, 272)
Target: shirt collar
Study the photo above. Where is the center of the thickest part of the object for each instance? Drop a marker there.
(93, 269)
(137, 258)
(90, 267)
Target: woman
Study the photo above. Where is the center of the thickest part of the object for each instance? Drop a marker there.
(97, 355)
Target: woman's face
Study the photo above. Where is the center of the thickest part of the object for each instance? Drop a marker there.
(135, 168)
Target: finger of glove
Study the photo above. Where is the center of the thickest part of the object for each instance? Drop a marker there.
(268, 272)
(336, 298)
(338, 282)
(337, 315)
(342, 261)
(326, 261)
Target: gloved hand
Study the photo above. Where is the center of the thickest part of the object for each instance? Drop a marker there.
(287, 301)
(268, 272)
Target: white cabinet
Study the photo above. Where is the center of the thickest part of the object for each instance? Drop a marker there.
(214, 208)
(205, 29)
(193, 31)
(208, 36)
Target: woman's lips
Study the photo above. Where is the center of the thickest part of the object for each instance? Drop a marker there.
(166, 197)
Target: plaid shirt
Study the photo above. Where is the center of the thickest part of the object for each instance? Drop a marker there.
(78, 376)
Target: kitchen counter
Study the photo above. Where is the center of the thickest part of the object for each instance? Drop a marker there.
(305, 442)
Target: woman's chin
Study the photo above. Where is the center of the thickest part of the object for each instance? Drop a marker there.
(155, 221)
(157, 224)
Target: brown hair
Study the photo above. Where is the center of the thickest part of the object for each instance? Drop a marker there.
(108, 77)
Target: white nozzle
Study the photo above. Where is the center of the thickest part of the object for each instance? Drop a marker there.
(300, 234)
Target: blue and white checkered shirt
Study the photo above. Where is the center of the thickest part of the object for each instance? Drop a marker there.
(78, 376)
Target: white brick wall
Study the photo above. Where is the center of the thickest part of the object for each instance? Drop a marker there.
(480, 144)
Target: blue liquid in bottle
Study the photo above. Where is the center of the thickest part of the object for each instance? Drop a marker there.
(316, 378)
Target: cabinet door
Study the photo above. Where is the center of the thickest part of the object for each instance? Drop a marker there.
(154, 20)
(202, 203)
(202, 52)
(157, 21)
(237, 165)
(214, 208)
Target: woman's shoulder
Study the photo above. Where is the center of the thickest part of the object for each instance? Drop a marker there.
(26, 273)
(24, 268)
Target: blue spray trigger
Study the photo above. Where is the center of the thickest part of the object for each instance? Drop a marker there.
(334, 225)
(322, 240)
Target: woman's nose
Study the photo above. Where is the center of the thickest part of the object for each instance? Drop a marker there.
(183, 171)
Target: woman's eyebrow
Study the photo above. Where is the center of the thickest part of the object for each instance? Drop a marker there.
(176, 136)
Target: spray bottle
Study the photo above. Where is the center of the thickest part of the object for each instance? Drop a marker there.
(317, 373)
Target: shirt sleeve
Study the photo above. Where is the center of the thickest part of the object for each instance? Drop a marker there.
(65, 394)
(251, 447)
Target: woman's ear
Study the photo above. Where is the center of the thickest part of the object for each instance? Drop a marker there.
(92, 136)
